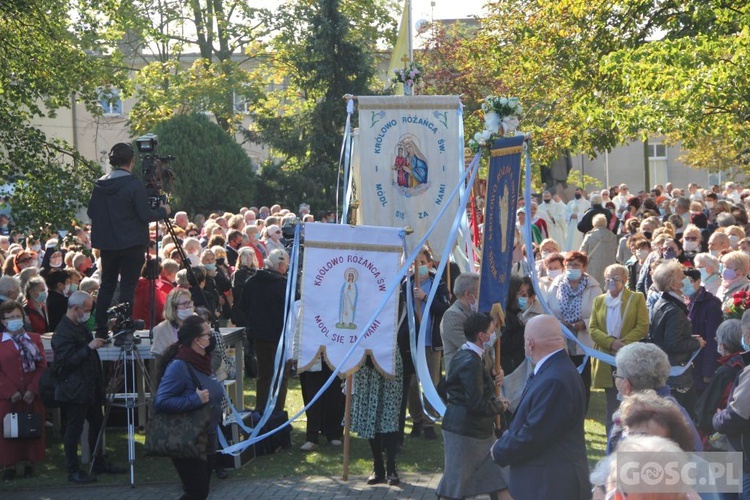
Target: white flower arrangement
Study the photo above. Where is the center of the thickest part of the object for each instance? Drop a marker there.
(503, 106)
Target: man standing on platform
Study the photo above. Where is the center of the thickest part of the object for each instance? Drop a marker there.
(545, 445)
(120, 212)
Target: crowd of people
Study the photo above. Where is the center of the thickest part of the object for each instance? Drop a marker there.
(650, 278)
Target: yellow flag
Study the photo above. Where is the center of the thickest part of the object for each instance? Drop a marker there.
(400, 49)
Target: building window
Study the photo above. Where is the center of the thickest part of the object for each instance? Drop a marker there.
(110, 102)
(657, 161)
(240, 103)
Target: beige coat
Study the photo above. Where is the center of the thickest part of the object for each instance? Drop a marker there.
(600, 244)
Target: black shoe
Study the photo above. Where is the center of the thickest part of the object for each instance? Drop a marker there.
(104, 466)
(416, 431)
(28, 471)
(429, 434)
(393, 479)
(375, 478)
(81, 477)
(221, 473)
(9, 474)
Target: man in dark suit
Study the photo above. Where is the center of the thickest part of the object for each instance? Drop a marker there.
(545, 445)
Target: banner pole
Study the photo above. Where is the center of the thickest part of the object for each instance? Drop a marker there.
(498, 419)
(347, 426)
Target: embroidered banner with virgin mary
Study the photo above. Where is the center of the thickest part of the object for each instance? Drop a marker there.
(410, 151)
(345, 278)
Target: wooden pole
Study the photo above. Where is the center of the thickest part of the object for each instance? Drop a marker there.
(498, 420)
(347, 426)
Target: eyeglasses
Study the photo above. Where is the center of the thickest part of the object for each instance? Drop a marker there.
(690, 238)
(185, 305)
(615, 280)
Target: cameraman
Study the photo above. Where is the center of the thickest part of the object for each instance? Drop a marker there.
(119, 211)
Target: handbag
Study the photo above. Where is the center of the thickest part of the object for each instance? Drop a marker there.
(22, 425)
(179, 435)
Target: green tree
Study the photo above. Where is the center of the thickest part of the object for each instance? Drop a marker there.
(212, 172)
(167, 34)
(49, 58)
(323, 50)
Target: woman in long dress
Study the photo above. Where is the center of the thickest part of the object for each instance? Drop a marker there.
(348, 301)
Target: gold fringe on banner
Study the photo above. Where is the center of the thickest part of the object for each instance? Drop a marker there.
(506, 151)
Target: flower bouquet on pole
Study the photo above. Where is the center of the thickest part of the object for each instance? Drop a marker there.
(409, 76)
(501, 119)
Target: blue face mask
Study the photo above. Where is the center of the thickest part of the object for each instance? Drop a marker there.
(523, 303)
(210, 267)
(687, 288)
(704, 274)
(42, 296)
(745, 347)
(423, 271)
(670, 253)
(573, 274)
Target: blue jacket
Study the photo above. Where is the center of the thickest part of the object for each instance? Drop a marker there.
(176, 393)
(545, 445)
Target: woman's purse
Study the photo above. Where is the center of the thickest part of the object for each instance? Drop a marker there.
(179, 435)
(22, 425)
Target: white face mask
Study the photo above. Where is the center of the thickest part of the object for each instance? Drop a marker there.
(554, 273)
(691, 246)
(491, 342)
(85, 317)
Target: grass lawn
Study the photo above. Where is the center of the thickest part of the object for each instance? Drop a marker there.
(419, 455)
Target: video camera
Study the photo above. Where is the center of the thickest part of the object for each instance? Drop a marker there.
(156, 175)
(125, 326)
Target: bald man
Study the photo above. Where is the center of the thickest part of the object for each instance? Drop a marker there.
(545, 445)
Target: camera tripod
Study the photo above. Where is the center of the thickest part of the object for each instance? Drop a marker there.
(124, 372)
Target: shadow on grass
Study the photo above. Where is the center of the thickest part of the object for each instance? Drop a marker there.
(419, 455)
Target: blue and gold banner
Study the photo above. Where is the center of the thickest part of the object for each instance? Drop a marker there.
(503, 181)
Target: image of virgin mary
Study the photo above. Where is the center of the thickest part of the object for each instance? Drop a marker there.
(416, 162)
(348, 300)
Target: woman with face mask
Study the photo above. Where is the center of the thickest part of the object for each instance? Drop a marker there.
(21, 366)
(555, 267)
(704, 313)
(570, 299)
(35, 305)
(619, 317)
(522, 306)
(423, 281)
(186, 383)
(734, 269)
(708, 266)
(178, 306)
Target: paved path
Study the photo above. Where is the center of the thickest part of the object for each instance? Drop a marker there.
(416, 486)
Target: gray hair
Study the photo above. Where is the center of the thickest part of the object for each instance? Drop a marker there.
(596, 199)
(729, 334)
(8, 285)
(706, 260)
(683, 202)
(275, 258)
(664, 274)
(599, 220)
(645, 366)
(88, 285)
(725, 219)
(34, 282)
(618, 269)
(182, 279)
(465, 282)
(78, 299)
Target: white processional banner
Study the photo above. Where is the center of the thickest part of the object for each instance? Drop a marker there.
(411, 154)
(346, 273)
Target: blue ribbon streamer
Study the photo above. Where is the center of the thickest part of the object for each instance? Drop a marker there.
(423, 371)
(588, 351)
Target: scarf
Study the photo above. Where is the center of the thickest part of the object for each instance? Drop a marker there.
(570, 300)
(614, 314)
(201, 362)
(30, 354)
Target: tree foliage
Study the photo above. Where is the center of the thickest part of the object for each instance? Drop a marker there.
(595, 74)
(323, 50)
(167, 33)
(212, 171)
(49, 57)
